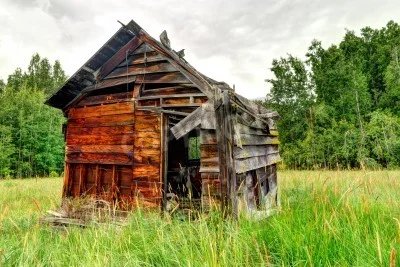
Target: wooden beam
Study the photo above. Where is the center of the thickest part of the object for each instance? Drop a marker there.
(171, 96)
(181, 105)
(164, 159)
(187, 124)
(224, 132)
(82, 176)
(97, 179)
(115, 60)
(114, 182)
(67, 181)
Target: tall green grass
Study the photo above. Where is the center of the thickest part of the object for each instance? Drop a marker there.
(328, 218)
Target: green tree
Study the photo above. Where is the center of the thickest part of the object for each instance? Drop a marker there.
(331, 107)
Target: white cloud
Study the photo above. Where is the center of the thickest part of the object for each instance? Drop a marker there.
(234, 41)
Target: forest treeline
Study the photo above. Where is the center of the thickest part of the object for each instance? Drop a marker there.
(31, 140)
(340, 106)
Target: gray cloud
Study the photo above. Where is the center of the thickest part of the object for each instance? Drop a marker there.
(232, 40)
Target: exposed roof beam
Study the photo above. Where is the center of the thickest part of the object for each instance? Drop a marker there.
(118, 57)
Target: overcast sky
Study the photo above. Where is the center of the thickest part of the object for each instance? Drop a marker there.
(232, 41)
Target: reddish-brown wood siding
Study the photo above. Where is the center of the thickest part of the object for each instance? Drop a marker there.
(147, 158)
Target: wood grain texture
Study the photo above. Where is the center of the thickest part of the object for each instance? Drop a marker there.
(171, 90)
(102, 121)
(118, 139)
(103, 110)
(104, 99)
(99, 149)
(247, 164)
(155, 67)
(187, 124)
(119, 57)
(170, 77)
(100, 158)
(110, 130)
(254, 151)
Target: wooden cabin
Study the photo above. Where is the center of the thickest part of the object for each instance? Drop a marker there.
(144, 127)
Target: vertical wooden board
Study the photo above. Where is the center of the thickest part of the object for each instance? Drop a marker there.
(211, 190)
(164, 159)
(125, 176)
(67, 180)
(90, 173)
(105, 179)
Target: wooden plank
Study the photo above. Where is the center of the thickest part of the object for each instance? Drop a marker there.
(164, 159)
(213, 169)
(169, 77)
(103, 110)
(140, 58)
(67, 180)
(99, 149)
(114, 183)
(171, 96)
(97, 179)
(171, 90)
(104, 99)
(245, 129)
(119, 57)
(157, 67)
(208, 116)
(254, 151)
(152, 118)
(248, 139)
(224, 133)
(110, 130)
(147, 140)
(150, 172)
(100, 158)
(247, 164)
(208, 151)
(209, 163)
(143, 48)
(82, 177)
(187, 124)
(208, 137)
(251, 122)
(120, 139)
(181, 105)
(102, 121)
(176, 101)
(147, 156)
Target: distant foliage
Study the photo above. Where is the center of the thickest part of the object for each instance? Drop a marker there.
(340, 107)
(31, 142)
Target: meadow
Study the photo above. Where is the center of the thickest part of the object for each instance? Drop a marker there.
(328, 218)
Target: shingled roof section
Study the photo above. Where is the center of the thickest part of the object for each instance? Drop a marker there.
(88, 76)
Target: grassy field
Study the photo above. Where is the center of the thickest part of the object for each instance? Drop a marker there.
(328, 218)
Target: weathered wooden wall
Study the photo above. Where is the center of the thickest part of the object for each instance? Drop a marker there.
(147, 158)
(99, 146)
